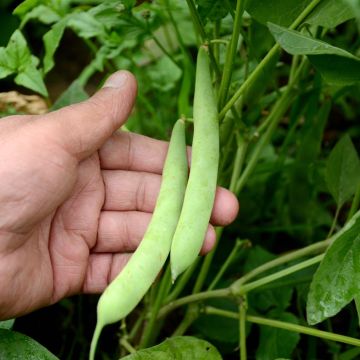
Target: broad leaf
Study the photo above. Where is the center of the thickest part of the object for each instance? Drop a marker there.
(331, 13)
(281, 12)
(51, 41)
(179, 348)
(343, 171)
(337, 280)
(275, 342)
(337, 66)
(14, 345)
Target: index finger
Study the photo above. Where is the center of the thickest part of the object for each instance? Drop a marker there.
(130, 151)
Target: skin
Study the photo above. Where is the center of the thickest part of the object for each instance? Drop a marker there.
(201, 187)
(76, 198)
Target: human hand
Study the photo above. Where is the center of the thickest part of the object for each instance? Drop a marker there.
(76, 198)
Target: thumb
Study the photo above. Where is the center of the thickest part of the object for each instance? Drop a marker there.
(83, 128)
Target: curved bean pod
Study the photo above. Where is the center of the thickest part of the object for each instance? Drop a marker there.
(129, 287)
(200, 191)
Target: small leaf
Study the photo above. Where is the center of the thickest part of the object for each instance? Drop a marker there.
(25, 7)
(337, 280)
(14, 345)
(343, 171)
(337, 66)
(275, 342)
(85, 25)
(179, 348)
(42, 13)
(31, 78)
(51, 42)
(17, 51)
(7, 324)
(6, 68)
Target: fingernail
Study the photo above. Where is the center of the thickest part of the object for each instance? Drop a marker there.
(117, 80)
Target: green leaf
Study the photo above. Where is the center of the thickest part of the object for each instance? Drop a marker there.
(275, 342)
(17, 51)
(51, 42)
(6, 67)
(212, 9)
(281, 12)
(343, 171)
(179, 348)
(337, 66)
(75, 93)
(14, 345)
(108, 13)
(31, 78)
(164, 74)
(219, 328)
(7, 324)
(25, 7)
(331, 13)
(337, 280)
(85, 25)
(42, 13)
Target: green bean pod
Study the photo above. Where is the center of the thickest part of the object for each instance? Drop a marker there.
(201, 187)
(129, 287)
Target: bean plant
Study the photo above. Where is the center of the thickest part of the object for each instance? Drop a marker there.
(283, 281)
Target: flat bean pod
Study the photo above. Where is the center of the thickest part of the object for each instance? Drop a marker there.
(201, 187)
(129, 287)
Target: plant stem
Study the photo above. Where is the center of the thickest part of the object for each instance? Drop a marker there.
(313, 248)
(206, 264)
(354, 205)
(182, 282)
(268, 58)
(125, 343)
(242, 328)
(149, 332)
(230, 55)
(193, 298)
(286, 326)
(333, 225)
(162, 48)
(274, 118)
(191, 315)
(238, 288)
(238, 245)
(238, 163)
(201, 30)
